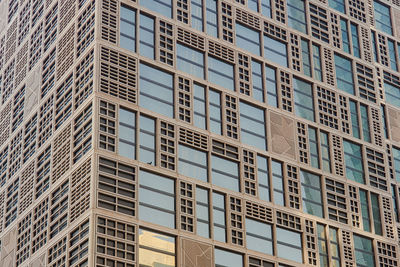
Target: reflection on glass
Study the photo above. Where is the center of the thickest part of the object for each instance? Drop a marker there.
(156, 249)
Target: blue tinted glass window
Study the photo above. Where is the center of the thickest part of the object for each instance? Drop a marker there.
(317, 62)
(392, 94)
(146, 33)
(305, 54)
(275, 51)
(266, 8)
(225, 173)
(392, 55)
(376, 214)
(192, 163)
(296, 15)
(322, 245)
(311, 193)
(156, 90)
(127, 28)
(247, 39)
(364, 251)
(337, 4)
(272, 97)
(374, 48)
(344, 74)
(289, 245)
(355, 125)
(334, 244)
(190, 61)
(221, 73)
(224, 258)
(277, 183)
(211, 15)
(252, 126)
(345, 35)
(313, 142)
(259, 236)
(197, 14)
(354, 39)
(127, 133)
(353, 160)
(214, 99)
(365, 123)
(202, 212)
(396, 159)
(257, 77)
(147, 147)
(163, 7)
(303, 98)
(218, 203)
(382, 17)
(325, 152)
(263, 178)
(199, 106)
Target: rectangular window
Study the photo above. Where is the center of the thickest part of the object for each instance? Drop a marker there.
(322, 245)
(317, 62)
(382, 17)
(202, 212)
(247, 39)
(364, 251)
(277, 183)
(127, 133)
(311, 193)
(395, 200)
(376, 215)
(155, 249)
(211, 15)
(147, 146)
(305, 54)
(353, 160)
(214, 99)
(252, 126)
(218, 203)
(392, 55)
(192, 163)
(197, 14)
(253, 5)
(338, 5)
(366, 217)
(163, 7)
(259, 236)
(296, 15)
(156, 90)
(199, 106)
(190, 61)
(345, 35)
(344, 74)
(384, 123)
(334, 247)
(289, 245)
(127, 38)
(313, 141)
(303, 99)
(272, 96)
(374, 48)
(355, 125)
(365, 123)
(146, 33)
(221, 73)
(392, 94)
(325, 154)
(257, 80)
(156, 199)
(263, 178)
(224, 258)
(396, 163)
(355, 40)
(225, 173)
(266, 8)
(275, 51)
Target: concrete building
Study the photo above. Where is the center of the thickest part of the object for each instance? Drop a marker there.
(199, 133)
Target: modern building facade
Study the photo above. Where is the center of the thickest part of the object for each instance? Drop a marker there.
(200, 133)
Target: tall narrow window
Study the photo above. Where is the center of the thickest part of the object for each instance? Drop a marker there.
(147, 146)
(277, 183)
(257, 80)
(334, 247)
(345, 35)
(199, 106)
(192, 163)
(259, 236)
(396, 163)
(382, 17)
(218, 203)
(325, 154)
(313, 141)
(146, 33)
(392, 55)
(197, 14)
(338, 5)
(311, 193)
(364, 251)
(252, 126)
(344, 74)
(317, 62)
(365, 123)
(263, 178)
(127, 28)
(266, 8)
(374, 48)
(163, 7)
(366, 216)
(211, 15)
(376, 214)
(247, 39)
(214, 99)
(272, 96)
(127, 133)
(384, 122)
(303, 99)
(190, 61)
(354, 119)
(202, 212)
(353, 160)
(225, 173)
(395, 199)
(221, 73)
(275, 51)
(322, 245)
(392, 94)
(305, 49)
(155, 249)
(296, 15)
(354, 40)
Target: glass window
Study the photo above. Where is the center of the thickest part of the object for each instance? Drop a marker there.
(219, 217)
(344, 74)
(395, 199)
(224, 258)
(277, 183)
(163, 7)
(363, 251)
(202, 212)
(311, 193)
(376, 215)
(214, 99)
(317, 62)
(313, 141)
(156, 90)
(199, 106)
(305, 50)
(263, 178)
(127, 133)
(192, 163)
(156, 249)
(396, 161)
(338, 5)
(247, 39)
(146, 33)
(345, 35)
(296, 15)
(266, 8)
(353, 160)
(382, 17)
(374, 48)
(354, 40)
(253, 5)
(355, 125)
(392, 94)
(196, 10)
(156, 199)
(365, 123)
(322, 245)
(326, 158)
(259, 236)
(225, 173)
(221, 73)
(366, 217)
(256, 79)
(272, 97)
(275, 51)
(211, 15)
(303, 99)
(127, 38)
(334, 244)
(384, 123)
(252, 126)
(289, 245)
(392, 55)
(190, 61)
(147, 146)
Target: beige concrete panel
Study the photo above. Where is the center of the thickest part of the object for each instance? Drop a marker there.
(39, 262)
(282, 135)
(394, 123)
(195, 254)
(32, 90)
(9, 244)
(3, 15)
